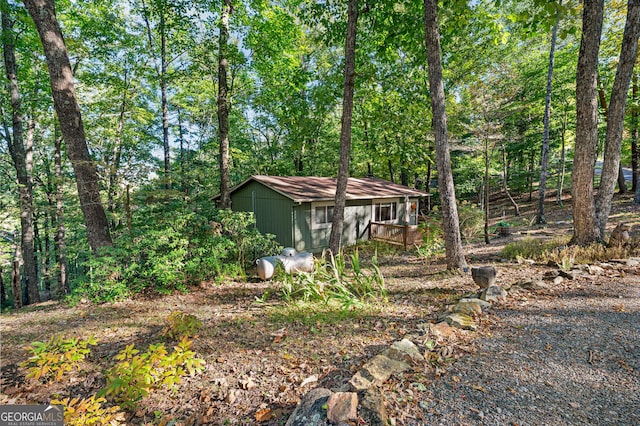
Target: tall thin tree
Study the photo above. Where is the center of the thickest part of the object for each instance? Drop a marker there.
(451, 223)
(19, 157)
(345, 130)
(223, 105)
(615, 116)
(542, 188)
(66, 105)
(585, 230)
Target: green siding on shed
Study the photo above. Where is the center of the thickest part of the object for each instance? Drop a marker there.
(291, 222)
(273, 211)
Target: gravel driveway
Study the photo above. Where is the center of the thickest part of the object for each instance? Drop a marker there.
(567, 357)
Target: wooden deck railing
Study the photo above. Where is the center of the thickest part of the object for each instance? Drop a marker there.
(404, 235)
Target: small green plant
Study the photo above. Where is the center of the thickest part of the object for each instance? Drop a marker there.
(471, 220)
(138, 373)
(89, 411)
(181, 324)
(332, 280)
(51, 360)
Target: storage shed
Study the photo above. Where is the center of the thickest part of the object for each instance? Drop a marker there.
(298, 210)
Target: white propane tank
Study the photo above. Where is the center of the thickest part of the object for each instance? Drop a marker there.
(288, 251)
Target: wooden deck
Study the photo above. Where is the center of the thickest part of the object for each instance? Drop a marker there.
(404, 235)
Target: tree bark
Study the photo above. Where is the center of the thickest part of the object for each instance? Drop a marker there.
(451, 224)
(585, 230)
(505, 182)
(164, 101)
(223, 106)
(542, 189)
(68, 110)
(615, 117)
(345, 129)
(21, 163)
(59, 241)
(563, 157)
(485, 158)
(635, 155)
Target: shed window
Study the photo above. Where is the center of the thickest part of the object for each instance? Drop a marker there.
(323, 215)
(385, 212)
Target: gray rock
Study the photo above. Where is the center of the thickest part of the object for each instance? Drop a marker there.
(484, 276)
(468, 308)
(405, 351)
(376, 372)
(342, 407)
(483, 303)
(494, 294)
(372, 408)
(311, 411)
(461, 321)
(558, 280)
(533, 285)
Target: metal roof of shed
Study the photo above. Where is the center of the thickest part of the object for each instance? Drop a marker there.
(312, 188)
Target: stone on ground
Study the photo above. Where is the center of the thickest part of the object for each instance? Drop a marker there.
(342, 407)
(484, 276)
(372, 409)
(494, 294)
(311, 411)
(468, 308)
(404, 350)
(462, 321)
(376, 372)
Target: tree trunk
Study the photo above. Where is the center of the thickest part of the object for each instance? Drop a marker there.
(451, 225)
(59, 241)
(542, 189)
(485, 157)
(66, 106)
(505, 182)
(21, 162)
(635, 155)
(585, 230)
(116, 155)
(345, 129)
(615, 117)
(562, 165)
(16, 288)
(164, 101)
(223, 107)
(3, 292)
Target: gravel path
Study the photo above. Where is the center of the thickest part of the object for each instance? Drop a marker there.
(569, 358)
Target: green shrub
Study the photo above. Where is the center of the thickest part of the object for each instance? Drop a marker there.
(51, 360)
(169, 251)
(471, 221)
(89, 411)
(181, 325)
(138, 373)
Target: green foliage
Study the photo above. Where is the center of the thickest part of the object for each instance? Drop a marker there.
(174, 245)
(532, 248)
(471, 220)
(50, 360)
(432, 239)
(138, 373)
(89, 411)
(333, 281)
(181, 325)
(565, 256)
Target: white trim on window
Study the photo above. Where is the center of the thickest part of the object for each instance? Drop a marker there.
(385, 210)
(321, 215)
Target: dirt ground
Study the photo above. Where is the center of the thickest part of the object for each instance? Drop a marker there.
(263, 356)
